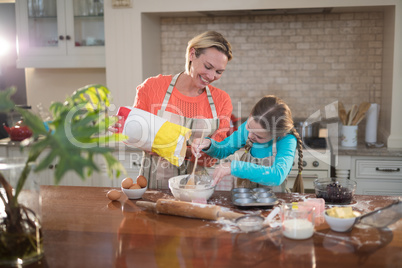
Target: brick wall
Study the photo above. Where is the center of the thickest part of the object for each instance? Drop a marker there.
(308, 60)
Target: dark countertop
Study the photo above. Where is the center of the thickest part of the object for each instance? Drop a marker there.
(82, 228)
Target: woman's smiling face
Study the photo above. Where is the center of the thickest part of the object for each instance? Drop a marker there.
(257, 134)
(208, 67)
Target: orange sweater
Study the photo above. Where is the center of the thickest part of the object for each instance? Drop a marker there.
(151, 93)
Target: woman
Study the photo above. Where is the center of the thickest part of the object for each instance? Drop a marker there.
(189, 99)
(270, 142)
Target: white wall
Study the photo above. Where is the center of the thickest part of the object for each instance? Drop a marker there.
(395, 138)
(47, 85)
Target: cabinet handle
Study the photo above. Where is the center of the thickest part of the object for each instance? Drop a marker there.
(68, 37)
(388, 169)
(61, 37)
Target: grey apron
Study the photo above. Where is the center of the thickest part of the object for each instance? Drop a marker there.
(266, 161)
(157, 169)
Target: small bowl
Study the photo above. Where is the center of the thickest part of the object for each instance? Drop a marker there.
(339, 224)
(264, 195)
(250, 223)
(244, 200)
(266, 200)
(335, 191)
(262, 190)
(242, 195)
(197, 193)
(134, 193)
(241, 190)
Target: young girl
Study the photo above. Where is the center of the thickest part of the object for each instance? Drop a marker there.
(270, 142)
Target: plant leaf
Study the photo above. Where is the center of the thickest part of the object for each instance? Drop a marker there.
(6, 104)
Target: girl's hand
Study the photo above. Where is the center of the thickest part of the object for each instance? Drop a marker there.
(221, 171)
(197, 146)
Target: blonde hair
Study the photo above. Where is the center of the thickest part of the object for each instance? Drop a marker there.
(207, 40)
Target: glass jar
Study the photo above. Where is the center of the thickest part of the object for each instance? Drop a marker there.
(21, 240)
(297, 221)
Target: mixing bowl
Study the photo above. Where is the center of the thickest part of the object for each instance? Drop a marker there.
(335, 190)
(340, 224)
(200, 192)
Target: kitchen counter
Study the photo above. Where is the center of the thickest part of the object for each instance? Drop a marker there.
(118, 146)
(362, 150)
(82, 228)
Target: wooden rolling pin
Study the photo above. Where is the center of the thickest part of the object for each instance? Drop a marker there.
(189, 210)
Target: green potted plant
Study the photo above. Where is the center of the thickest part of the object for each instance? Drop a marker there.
(74, 136)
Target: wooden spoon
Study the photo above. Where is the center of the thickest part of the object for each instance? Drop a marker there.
(342, 113)
(191, 180)
(347, 118)
(352, 114)
(363, 108)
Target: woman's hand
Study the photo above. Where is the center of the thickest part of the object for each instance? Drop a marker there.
(197, 145)
(221, 171)
(116, 126)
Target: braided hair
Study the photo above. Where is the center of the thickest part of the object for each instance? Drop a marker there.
(274, 115)
(299, 149)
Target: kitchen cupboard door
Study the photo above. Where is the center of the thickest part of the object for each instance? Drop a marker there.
(102, 178)
(60, 34)
(44, 177)
(3, 151)
(131, 161)
(377, 175)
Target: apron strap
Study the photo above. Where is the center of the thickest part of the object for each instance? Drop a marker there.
(169, 92)
(211, 103)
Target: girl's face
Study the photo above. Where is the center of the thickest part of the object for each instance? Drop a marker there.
(208, 67)
(257, 134)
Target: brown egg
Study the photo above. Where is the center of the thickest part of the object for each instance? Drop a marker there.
(113, 194)
(135, 186)
(141, 181)
(126, 183)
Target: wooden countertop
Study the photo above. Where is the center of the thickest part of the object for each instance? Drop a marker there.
(82, 228)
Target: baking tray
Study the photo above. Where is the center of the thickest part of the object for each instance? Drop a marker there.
(257, 197)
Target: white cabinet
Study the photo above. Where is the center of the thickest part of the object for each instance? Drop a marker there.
(373, 175)
(46, 177)
(131, 161)
(343, 166)
(60, 34)
(377, 176)
(308, 178)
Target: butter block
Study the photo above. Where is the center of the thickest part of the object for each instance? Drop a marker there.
(341, 212)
